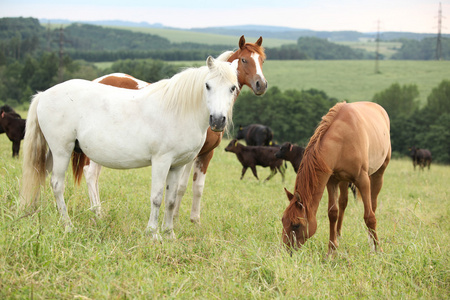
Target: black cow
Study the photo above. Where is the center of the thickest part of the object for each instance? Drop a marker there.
(421, 157)
(255, 135)
(14, 128)
(252, 156)
(8, 109)
(292, 153)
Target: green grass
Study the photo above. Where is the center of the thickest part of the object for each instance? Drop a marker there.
(351, 80)
(235, 253)
(385, 48)
(181, 36)
(356, 80)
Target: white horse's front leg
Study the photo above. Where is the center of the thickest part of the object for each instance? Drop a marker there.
(182, 186)
(159, 175)
(92, 173)
(173, 179)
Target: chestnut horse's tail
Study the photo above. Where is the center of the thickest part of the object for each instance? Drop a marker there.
(34, 158)
(79, 160)
(354, 190)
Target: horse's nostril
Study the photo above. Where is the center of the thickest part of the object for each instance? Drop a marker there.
(258, 85)
(224, 119)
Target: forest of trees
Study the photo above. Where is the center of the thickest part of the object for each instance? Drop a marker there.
(30, 61)
(422, 50)
(20, 37)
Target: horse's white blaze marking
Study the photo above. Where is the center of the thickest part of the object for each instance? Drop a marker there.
(259, 71)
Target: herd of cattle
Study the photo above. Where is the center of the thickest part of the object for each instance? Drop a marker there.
(260, 150)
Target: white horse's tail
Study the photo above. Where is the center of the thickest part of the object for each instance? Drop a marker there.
(34, 160)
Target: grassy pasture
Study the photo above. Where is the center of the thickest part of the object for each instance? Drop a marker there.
(352, 80)
(181, 36)
(385, 48)
(355, 80)
(235, 253)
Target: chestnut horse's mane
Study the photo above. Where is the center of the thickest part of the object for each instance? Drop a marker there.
(313, 162)
(252, 47)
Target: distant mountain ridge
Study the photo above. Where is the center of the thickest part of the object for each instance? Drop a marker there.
(103, 23)
(267, 31)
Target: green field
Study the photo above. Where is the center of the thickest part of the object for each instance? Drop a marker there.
(385, 48)
(181, 36)
(356, 80)
(235, 253)
(352, 80)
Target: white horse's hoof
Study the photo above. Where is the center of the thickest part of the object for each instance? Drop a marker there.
(97, 211)
(154, 233)
(170, 235)
(195, 220)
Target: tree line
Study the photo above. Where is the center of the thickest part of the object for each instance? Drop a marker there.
(20, 37)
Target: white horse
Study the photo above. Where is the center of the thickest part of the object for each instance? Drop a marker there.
(163, 125)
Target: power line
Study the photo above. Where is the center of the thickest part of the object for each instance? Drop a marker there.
(377, 51)
(439, 36)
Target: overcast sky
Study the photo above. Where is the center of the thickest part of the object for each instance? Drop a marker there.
(331, 15)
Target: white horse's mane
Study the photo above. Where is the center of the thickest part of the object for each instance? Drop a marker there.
(183, 93)
(225, 56)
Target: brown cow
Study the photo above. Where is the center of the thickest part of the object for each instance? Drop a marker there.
(252, 156)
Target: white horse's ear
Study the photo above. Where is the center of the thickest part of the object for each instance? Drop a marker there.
(234, 64)
(210, 62)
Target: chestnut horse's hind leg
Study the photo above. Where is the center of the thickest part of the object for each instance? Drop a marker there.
(92, 174)
(376, 183)
(343, 200)
(364, 186)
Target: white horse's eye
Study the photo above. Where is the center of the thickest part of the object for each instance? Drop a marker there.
(207, 86)
(233, 88)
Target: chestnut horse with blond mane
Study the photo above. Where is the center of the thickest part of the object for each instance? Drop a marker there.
(250, 60)
(351, 144)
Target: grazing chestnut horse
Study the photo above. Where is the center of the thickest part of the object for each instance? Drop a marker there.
(250, 60)
(351, 144)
